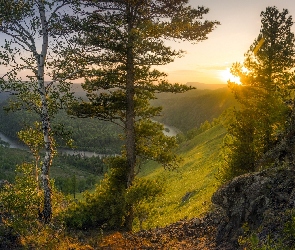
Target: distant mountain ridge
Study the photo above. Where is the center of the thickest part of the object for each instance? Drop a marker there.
(199, 85)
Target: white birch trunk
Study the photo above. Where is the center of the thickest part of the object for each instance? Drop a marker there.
(41, 58)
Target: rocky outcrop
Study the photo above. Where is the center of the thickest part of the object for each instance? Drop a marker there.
(262, 201)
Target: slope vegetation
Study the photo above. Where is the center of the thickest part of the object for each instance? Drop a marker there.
(188, 188)
(190, 109)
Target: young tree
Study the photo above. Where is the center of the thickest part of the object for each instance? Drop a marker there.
(28, 27)
(123, 40)
(267, 81)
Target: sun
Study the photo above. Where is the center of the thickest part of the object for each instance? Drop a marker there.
(226, 76)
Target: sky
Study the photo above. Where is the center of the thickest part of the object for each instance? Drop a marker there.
(209, 61)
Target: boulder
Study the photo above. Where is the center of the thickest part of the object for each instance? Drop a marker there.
(259, 200)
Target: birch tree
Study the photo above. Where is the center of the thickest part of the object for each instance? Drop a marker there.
(28, 27)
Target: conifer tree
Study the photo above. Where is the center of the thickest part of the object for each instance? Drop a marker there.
(121, 41)
(267, 82)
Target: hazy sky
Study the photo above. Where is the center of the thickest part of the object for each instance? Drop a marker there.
(207, 61)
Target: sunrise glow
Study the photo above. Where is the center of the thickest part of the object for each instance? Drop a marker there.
(226, 76)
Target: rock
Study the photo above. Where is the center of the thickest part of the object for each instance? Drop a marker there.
(260, 200)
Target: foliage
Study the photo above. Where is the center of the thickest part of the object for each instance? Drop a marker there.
(33, 138)
(123, 40)
(20, 210)
(267, 81)
(21, 201)
(26, 25)
(151, 143)
(105, 208)
(140, 194)
(105, 205)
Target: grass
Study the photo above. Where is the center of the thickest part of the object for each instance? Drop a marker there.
(190, 187)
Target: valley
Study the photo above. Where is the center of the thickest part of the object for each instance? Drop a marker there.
(190, 186)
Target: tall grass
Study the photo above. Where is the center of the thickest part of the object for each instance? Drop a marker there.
(188, 188)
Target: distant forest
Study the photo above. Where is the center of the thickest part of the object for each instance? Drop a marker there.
(184, 111)
(88, 134)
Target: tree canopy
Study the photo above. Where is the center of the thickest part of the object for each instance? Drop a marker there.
(267, 83)
(121, 42)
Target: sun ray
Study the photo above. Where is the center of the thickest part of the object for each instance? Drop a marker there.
(226, 76)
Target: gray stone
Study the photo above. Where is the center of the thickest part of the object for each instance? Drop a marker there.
(259, 200)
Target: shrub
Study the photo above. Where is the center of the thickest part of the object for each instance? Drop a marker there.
(111, 202)
(20, 202)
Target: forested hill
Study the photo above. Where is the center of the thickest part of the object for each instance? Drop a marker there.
(184, 111)
(190, 109)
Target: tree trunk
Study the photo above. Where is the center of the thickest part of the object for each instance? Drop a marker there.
(47, 210)
(44, 115)
(130, 118)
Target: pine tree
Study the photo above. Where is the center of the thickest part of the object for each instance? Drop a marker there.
(123, 40)
(267, 82)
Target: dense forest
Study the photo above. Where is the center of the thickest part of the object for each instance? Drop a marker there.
(225, 181)
(87, 134)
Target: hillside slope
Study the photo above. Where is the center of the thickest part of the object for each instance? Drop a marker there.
(190, 109)
(188, 188)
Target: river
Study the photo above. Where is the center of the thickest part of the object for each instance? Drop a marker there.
(15, 144)
(12, 143)
(168, 130)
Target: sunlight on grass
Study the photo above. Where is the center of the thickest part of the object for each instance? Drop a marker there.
(190, 187)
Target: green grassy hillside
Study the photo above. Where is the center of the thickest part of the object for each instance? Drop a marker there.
(190, 187)
(190, 109)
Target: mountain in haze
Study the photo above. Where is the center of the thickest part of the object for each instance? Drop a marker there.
(199, 85)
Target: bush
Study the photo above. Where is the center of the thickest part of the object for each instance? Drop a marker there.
(106, 206)
(111, 202)
(21, 203)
